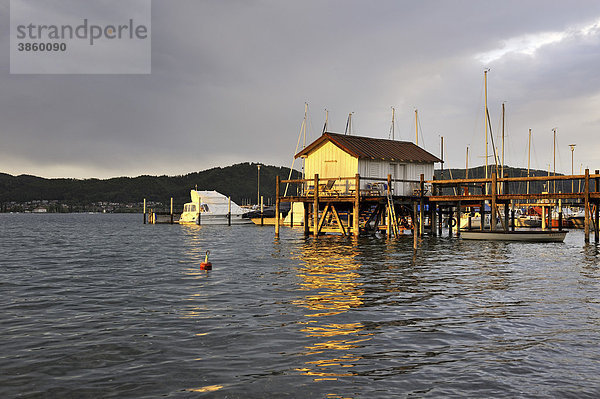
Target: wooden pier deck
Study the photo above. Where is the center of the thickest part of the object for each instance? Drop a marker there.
(349, 206)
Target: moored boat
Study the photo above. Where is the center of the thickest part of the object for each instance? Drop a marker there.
(523, 236)
(212, 208)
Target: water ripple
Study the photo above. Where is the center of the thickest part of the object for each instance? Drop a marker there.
(101, 306)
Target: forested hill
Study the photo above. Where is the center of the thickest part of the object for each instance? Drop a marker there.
(24, 192)
(238, 181)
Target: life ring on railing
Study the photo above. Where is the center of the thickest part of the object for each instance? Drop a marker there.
(451, 222)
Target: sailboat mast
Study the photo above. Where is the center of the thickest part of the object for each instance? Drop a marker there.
(467, 164)
(303, 134)
(392, 129)
(485, 122)
(304, 125)
(326, 120)
(502, 165)
(349, 125)
(554, 156)
(416, 127)
(442, 155)
(528, 159)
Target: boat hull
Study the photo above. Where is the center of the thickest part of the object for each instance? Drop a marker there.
(207, 219)
(523, 236)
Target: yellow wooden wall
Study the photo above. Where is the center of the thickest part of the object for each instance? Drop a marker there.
(330, 161)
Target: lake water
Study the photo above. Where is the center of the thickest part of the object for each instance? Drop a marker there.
(102, 306)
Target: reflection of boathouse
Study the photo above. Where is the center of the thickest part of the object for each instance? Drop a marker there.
(358, 183)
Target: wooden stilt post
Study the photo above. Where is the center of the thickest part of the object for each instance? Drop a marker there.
(229, 211)
(432, 218)
(544, 217)
(512, 216)
(586, 224)
(560, 216)
(306, 206)
(433, 210)
(356, 208)
(482, 216)
(597, 213)
(440, 219)
(316, 206)
(414, 226)
(493, 209)
(422, 205)
(262, 210)
(144, 210)
(450, 217)
(277, 180)
(458, 211)
(506, 210)
(388, 207)
(550, 214)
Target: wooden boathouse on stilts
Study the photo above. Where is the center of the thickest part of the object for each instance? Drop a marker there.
(357, 184)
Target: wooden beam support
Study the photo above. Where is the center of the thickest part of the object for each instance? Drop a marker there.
(323, 217)
(597, 212)
(339, 221)
(356, 208)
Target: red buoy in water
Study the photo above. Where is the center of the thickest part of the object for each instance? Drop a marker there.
(206, 265)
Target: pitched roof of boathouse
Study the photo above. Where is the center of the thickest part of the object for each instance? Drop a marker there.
(372, 148)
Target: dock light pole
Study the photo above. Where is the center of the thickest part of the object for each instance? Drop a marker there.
(258, 186)
(572, 173)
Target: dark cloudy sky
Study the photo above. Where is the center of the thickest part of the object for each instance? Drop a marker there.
(230, 78)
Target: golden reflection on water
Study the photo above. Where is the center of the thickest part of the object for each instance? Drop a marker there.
(193, 255)
(210, 388)
(329, 273)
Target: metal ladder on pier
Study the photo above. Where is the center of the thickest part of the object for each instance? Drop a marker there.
(392, 212)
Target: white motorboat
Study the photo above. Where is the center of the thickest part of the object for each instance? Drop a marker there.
(211, 207)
